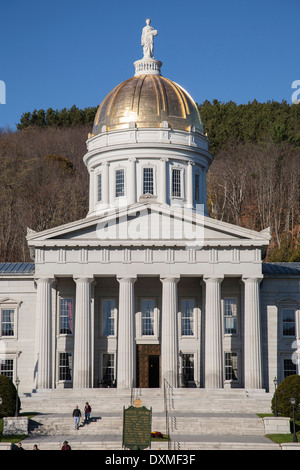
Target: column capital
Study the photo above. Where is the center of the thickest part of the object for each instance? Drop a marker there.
(213, 278)
(166, 278)
(84, 279)
(127, 278)
(254, 279)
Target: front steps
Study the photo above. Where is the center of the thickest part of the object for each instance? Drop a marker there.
(195, 418)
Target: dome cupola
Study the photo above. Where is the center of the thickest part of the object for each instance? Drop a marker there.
(147, 141)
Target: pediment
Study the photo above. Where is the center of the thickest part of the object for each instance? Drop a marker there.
(150, 224)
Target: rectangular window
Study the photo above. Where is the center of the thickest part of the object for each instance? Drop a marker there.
(108, 368)
(7, 322)
(99, 193)
(187, 368)
(66, 316)
(197, 187)
(289, 368)
(187, 317)
(148, 181)
(108, 317)
(176, 183)
(120, 183)
(148, 306)
(65, 366)
(288, 322)
(231, 372)
(7, 368)
(230, 316)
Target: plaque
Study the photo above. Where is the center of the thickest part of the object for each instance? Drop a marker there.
(137, 422)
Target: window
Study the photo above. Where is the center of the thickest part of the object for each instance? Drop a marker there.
(288, 322)
(148, 181)
(176, 183)
(108, 317)
(66, 316)
(108, 368)
(148, 306)
(289, 368)
(187, 368)
(65, 366)
(120, 183)
(7, 368)
(99, 192)
(187, 317)
(7, 322)
(231, 372)
(197, 187)
(230, 316)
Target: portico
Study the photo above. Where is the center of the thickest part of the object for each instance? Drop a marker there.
(193, 313)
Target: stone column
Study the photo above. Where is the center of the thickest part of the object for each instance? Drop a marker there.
(131, 183)
(105, 183)
(189, 185)
(252, 334)
(213, 334)
(92, 191)
(43, 332)
(82, 371)
(204, 190)
(126, 362)
(169, 332)
(163, 181)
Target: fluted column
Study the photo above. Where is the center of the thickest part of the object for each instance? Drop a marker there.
(189, 185)
(105, 183)
(163, 180)
(252, 335)
(213, 334)
(132, 181)
(82, 371)
(43, 332)
(169, 332)
(126, 363)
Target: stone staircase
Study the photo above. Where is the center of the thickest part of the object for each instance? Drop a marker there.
(195, 419)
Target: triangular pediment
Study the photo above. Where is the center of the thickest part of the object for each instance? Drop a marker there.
(150, 224)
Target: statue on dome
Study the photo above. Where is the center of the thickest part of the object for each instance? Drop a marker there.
(147, 39)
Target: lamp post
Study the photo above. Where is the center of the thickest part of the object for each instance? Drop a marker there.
(17, 396)
(293, 401)
(275, 396)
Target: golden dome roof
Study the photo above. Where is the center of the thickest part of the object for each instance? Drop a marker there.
(147, 101)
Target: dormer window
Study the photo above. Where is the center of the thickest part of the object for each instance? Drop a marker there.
(120, 183)
(148, 181)
(176, 183)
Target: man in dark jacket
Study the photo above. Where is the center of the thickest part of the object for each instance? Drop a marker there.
(76, 415)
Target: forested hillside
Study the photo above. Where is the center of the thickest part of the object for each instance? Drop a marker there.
(254, 180)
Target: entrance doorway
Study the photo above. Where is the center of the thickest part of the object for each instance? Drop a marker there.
(148, 365)
(153, 368)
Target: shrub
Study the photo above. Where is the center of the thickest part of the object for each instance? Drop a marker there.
(288, 388)
(8, 393)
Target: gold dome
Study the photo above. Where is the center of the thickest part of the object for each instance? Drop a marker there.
(147, 101)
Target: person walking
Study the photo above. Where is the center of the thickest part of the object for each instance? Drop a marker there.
(87, 413)
(76, 415)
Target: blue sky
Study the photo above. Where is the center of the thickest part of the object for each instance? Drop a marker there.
(62, 52)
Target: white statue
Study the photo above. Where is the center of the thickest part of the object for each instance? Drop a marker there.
(147, 39)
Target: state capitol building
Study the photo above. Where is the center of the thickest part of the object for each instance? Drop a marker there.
(147, 287)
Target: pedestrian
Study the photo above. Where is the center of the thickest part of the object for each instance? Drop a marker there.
(19, 446)
(66, 446)
(87, 412)
(35, 447)
(76, 415)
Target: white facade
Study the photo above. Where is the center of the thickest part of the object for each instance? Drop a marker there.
(148, 288)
